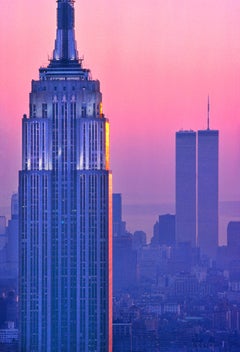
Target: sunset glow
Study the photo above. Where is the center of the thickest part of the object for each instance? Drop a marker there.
(157, 62)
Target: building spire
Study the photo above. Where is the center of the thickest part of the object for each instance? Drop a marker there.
(208, 115)
(65, 45)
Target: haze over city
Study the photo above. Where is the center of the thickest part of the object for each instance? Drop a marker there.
(157, 62)
(153, 263)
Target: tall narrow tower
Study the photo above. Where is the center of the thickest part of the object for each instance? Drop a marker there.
(65, 207)
(186, 187)
(208, 191)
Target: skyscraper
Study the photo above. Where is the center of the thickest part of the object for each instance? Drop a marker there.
(186, 187)
(208, 191)
(65, 207)
(117, 214)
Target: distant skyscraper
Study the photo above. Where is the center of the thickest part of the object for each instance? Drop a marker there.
(117, 214)
(12, 238)
(208, 191)
(186, 187)
(117, 207)
(14, 206)
(65, 207)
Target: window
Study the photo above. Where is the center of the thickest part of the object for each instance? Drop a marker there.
(33, 110)
(44, 110)
(84, 110)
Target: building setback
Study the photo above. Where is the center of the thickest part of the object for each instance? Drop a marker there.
(65, 207)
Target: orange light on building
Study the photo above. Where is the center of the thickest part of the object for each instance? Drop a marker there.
(110, 311)
(101, 109)
(107, 142)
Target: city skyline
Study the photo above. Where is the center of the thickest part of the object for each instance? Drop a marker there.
(185, 52)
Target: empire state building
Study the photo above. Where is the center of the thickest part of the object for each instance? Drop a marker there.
(65, 207)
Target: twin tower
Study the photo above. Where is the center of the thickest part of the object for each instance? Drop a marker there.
(197, 189)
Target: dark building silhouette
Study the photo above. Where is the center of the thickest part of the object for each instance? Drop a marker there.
(117, 207)
(164, 231)
(65, 207)
(118, 224)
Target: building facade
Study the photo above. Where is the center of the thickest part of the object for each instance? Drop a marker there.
(208, 191)
(186, 187)
(65, 207)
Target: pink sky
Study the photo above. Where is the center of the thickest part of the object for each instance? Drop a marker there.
(157, 61)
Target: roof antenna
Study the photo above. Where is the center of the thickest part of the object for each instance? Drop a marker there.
(208, 115)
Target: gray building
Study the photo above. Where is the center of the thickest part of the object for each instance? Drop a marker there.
(186, 187)
(65, 207)
(208, 192)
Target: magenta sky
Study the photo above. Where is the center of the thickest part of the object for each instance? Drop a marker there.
(157, 61)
